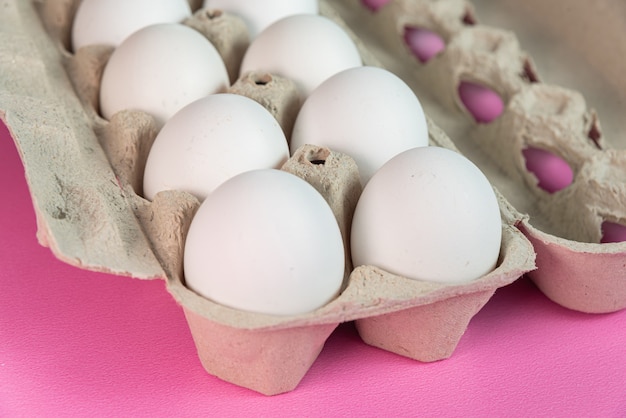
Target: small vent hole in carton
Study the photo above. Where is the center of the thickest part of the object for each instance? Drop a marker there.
(483, 103)
(263, 79)
(595, 133)
(468, 18)
(552, 172)
(318, 156)
(529, 73)
(212, 14)
(613, 232)
(423, 43)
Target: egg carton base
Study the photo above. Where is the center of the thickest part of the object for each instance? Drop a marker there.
(425, 333)
(269, 362)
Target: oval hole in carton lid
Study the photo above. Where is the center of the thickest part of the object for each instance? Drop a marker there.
(483, 103)
(374, 5)
(423, 43)
(552, 171)
(613, 232)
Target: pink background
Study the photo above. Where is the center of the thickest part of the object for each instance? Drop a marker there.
(77, 343)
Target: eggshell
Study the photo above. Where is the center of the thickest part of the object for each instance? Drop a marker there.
(160, 69)
(366, 112)
(428, 214)
(305, 48)
(110, 22)
(211, 140)
(257, 16)
(256, 243)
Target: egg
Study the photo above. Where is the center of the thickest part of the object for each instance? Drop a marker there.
(265, 241)
(159, 69)
(428, 214)
(259, 16)
(483, 103)
(211, 140)
(304, 48)
(109, 22)
(365, 112)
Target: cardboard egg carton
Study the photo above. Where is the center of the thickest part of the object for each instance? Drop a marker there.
(85, 176)
(569, 38)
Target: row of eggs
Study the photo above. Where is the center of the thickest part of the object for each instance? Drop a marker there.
(264, 240)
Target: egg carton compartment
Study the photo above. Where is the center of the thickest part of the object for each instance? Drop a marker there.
(539, 143)
(85, 177)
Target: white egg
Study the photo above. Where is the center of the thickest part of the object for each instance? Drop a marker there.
(259, 16)
(367, 113)
(265, 241)
(109, 22)
(305, 48)
(211, 140)
(160, 69)
(428, 214)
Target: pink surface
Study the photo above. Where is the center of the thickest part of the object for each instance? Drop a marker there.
(613, 232)
(77, 343)
(374, 5)
(424, 43)
(484, 104)
(552, 171)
